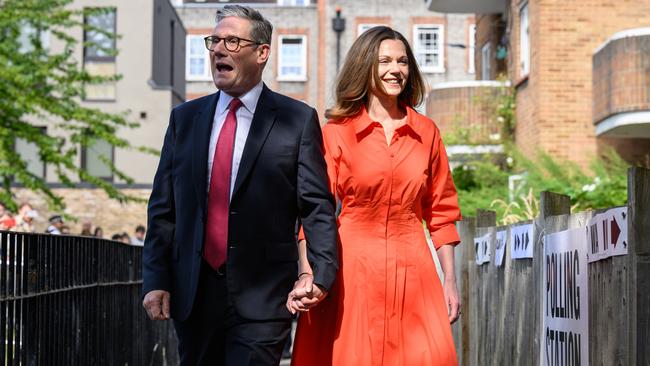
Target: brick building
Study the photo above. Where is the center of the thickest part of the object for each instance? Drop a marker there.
(303, 60)
(579, 68)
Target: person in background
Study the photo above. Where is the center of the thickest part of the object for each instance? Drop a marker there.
(25, 218)
(6, 221)
(138, 239)
(56, 225)
(65, 230)
(125, 238)
(116, 237)
(99, 233)
(86, 228)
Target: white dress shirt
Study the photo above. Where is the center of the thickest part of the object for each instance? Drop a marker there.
(244, 119)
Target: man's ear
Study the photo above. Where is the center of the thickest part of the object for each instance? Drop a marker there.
(263, 53)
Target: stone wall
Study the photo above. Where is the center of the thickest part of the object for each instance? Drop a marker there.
(94, 205)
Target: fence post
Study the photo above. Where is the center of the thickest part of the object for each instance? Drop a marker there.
(639, 265)
(553, 204)
(463, 259)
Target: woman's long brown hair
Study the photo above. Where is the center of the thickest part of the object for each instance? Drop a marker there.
(360, 72)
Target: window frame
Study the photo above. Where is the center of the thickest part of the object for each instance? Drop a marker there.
(293, 3)
(43, 131)
(417, 30)
(303, 76)
(471, 57)
(84, 162)
(98, 60)
(371, 25)
(486, 61)
(207, 73)
(524, 40)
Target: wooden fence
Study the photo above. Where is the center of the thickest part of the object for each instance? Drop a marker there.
(68, 300)
(501, 306)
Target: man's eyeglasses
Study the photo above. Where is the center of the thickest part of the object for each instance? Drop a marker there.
(232, 43)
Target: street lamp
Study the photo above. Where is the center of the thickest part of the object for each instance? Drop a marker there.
(338, 26)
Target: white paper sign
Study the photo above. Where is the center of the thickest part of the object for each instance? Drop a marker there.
(522, 241)
(482, 249)
(500, 247)
(565, 300)
(607, 234)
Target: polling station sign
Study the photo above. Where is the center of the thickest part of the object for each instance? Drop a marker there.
(565, 309)
(522, 241)
(482, 249)
(607, 234)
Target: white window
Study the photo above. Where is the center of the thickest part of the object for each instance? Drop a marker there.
(429, 47)
(29, 152)
(471, 49)
(94, 159)
(365, 26)
(293, 2)
(197, 59)
(486, 51)
(524, 44)
(292, 58)
(29, 34)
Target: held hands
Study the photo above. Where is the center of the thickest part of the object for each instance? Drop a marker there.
(451, 299)
(305, 294)
(156, 303)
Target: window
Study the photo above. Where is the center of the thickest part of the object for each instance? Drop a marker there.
(29, 34)
(28, 151)
(485, 62)
(292, 58)
(471, 49)
(429, 50)
(524, 43)
(93, 156)
(197, 59)
(99, 52)
(293, 2)
(365, 26)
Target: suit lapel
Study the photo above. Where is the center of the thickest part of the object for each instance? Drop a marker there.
(202, 127)
(263, 120)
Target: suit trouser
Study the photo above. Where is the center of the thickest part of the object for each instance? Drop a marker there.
(214, 334)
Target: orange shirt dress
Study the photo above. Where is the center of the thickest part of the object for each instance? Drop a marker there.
(386, 306)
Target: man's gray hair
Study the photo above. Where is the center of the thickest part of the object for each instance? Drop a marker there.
(261, 28)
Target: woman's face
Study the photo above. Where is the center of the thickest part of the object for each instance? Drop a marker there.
(393, 68)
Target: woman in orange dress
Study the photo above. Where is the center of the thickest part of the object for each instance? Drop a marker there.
(388, 167)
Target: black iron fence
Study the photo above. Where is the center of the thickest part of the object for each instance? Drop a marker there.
(67, 300)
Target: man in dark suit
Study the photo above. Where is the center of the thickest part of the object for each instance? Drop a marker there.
(237, 170)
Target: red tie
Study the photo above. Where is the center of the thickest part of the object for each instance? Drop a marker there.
(216, 225)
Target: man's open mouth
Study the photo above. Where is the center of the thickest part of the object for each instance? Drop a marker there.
(221, 67)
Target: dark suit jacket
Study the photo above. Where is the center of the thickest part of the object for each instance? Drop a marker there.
(282, 177)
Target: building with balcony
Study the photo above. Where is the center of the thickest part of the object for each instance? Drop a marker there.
(579, 69)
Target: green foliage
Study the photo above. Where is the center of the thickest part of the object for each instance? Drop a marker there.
(484, 185)
(40, 84)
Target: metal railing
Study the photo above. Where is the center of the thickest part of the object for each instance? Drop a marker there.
(68, 300)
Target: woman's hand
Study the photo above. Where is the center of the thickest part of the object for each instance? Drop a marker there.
(451, 299)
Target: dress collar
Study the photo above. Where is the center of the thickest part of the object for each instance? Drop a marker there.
(362, 121)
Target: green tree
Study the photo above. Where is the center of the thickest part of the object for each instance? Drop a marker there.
(41, 84)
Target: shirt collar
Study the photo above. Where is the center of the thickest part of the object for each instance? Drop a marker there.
(249, 99)
(363, 121)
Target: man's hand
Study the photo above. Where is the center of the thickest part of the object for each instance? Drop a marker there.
(156, 303)
(305, 294)
(451, 299)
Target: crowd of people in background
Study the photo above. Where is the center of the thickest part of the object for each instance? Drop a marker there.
(23, 221)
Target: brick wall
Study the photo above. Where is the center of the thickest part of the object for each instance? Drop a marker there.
(468, 108)
(555, 101)
(621, 77)
(94, 205)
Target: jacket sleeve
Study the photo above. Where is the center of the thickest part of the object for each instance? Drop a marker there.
(158, 244)
(316, 205)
